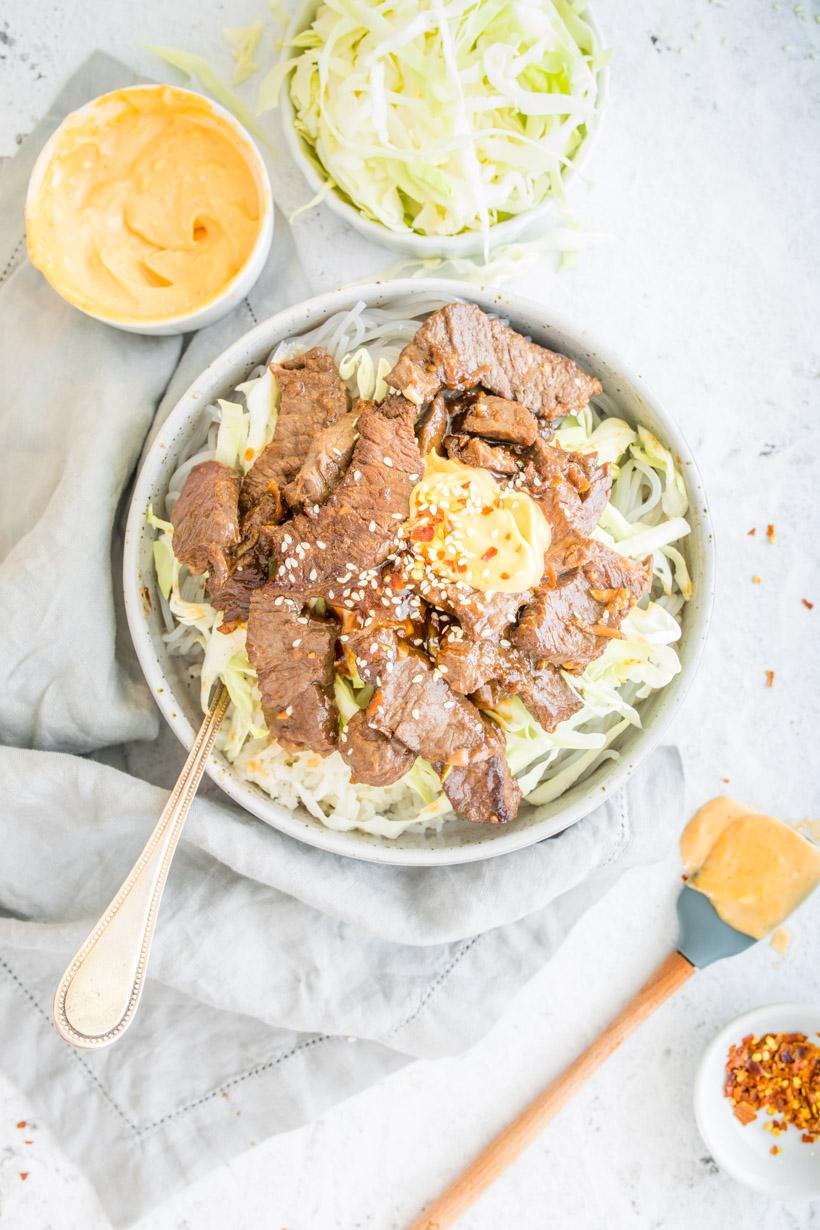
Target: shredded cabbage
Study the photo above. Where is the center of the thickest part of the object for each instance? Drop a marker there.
(197, 67)
(442, 118)
(244, 40)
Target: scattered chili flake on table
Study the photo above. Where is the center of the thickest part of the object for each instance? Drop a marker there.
(22, 1123)
(769, 679)
(770, 533)
(756, 580)
(751, 533)
(24, 1175)
(778, 1073)
(808, 605)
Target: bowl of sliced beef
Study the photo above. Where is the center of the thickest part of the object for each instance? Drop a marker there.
(319, 555)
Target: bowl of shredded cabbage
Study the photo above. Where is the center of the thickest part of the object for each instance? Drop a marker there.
(623, 698)
(442, 128)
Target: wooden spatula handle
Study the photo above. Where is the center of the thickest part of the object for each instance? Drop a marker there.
(501, 1152)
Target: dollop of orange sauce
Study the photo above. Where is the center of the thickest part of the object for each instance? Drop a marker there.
(148, 205)
(753, 868)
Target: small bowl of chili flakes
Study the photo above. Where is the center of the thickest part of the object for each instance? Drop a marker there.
(757, 1099)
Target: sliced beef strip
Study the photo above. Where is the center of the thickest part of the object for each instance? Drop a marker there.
(206, 521)
(460, 347)
(571, 489)
(326, 462)
(293, 654)
(432, 425)
(480, 614)
(233, 598)
(485, 792)
(312, 396)
(472, 451)
(355, 530)
(375, 758)
(500, 419)
(471, 665)
(570, 622)
(414, 704)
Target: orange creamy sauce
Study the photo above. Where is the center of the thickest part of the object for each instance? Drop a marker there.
(754, 869)
(148, 207)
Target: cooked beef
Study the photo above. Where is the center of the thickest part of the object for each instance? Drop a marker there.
(326, 461)
(571, 489)
(293, 654)
(312, 396)
(414, 704)
(432, 425)
(472, 451)
(485, 792)
(470, 665)
(376, 759)
(460, 347)
(233, 597)
(206, 521)
(500, 419)
(478, 613)
(353, 532)
(570, 622)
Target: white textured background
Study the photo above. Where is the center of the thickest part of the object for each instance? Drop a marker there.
(707, 179)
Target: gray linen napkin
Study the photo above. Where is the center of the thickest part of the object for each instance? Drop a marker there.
(283, 979)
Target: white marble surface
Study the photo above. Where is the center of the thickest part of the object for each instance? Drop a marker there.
(707, 179)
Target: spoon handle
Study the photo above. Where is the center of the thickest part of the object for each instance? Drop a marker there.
(99, 992)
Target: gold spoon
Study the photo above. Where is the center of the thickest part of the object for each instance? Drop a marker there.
(99, 993)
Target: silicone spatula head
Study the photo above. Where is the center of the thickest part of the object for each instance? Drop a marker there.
(704, 936)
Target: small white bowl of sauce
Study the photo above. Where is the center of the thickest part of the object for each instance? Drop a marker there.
(779, 1164)
(150, 209)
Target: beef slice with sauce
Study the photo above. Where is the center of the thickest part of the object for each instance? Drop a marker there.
(414, 704)
(470, 665)
(206, 521)
(356, 528)
(312, 396)
(375, 759)
(471, 451)
(293, 655)
(570, 622)
(484, 792)
(496, 418)
(571, 489)
(326, 461)
(461, 347)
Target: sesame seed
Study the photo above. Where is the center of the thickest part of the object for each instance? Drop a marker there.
(415, 714)
(388, 461)
(321, 545)
(313, 574)
(357, 475)
(372, 527)
(297, 642)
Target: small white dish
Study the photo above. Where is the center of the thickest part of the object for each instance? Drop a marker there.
(407, 242)
(744, 1151)
(242, 281)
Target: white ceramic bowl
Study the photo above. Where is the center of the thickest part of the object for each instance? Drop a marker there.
(459, 841)
(744, 1152)
(242, 281)
(470, 243)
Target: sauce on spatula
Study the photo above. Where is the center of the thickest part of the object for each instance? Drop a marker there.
(754, 869)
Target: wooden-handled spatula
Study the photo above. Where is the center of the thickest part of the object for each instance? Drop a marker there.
(704, 938)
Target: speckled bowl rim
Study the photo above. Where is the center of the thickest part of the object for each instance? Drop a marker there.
(458, 842)
(468, 243)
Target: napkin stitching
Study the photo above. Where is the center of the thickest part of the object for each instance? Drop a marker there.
(73, 1053)
(12, 262)
(433, 987)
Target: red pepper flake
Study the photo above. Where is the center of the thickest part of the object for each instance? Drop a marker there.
(751, 533)
(249, 454)
(770, 533)
(756, 580)
(775, 1149)
(489, 553)
(24, 1174)
(505, 576)
(808, 605)
(725, 781)
(486, 510)
(769, 678)
(22, 1124)
(28, 1142)
(423, 533)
